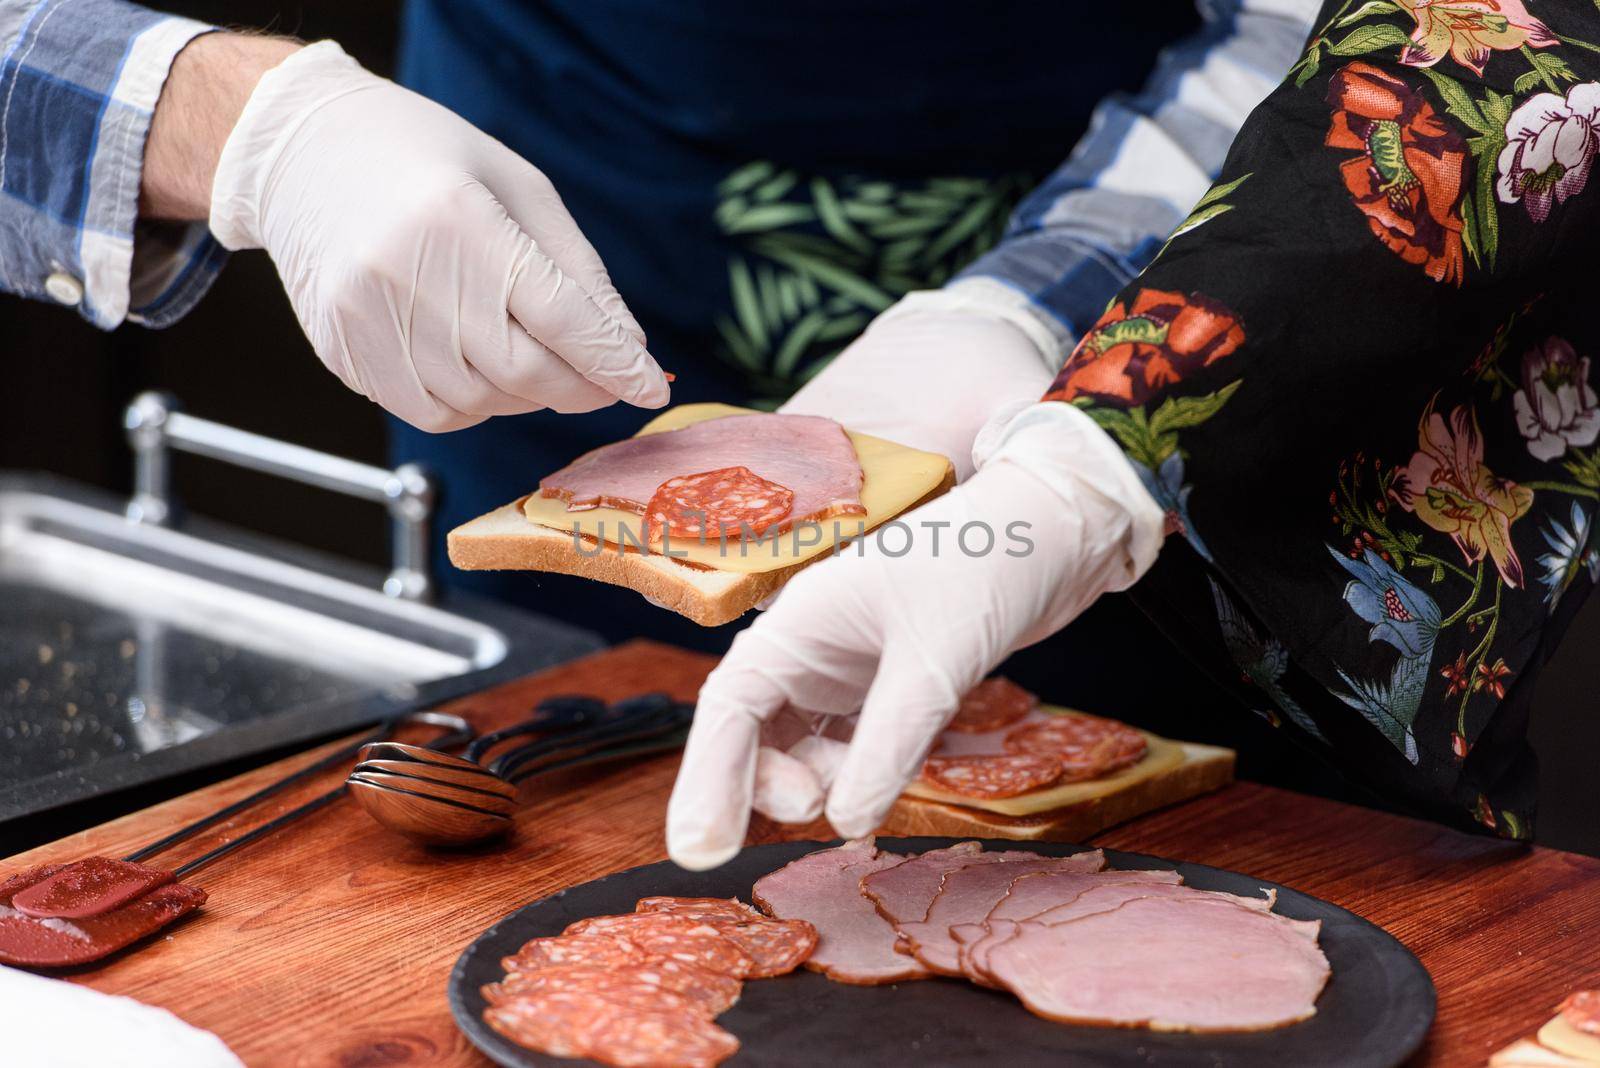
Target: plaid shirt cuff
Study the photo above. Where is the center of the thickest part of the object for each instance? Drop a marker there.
(1106, 213)
(78, 85)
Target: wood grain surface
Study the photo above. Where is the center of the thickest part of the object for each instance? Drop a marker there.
(331, 944)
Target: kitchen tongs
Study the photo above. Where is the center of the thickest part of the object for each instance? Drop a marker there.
(442, 800)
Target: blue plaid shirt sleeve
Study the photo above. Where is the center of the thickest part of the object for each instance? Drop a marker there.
(78, 83)
(1102, 216)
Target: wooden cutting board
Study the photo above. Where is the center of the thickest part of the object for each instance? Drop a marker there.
(331, 946)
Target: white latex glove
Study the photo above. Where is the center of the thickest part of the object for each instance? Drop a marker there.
(933, 370)
(433, 269)
(902, 637)
(51, 1023)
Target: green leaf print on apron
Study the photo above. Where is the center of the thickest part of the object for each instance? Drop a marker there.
(816, 258)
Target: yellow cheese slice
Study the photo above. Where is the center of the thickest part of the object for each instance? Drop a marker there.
(1564, 1038)
(895, 478)
(1161, 756)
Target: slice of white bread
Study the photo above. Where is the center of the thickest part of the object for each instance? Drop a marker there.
(507, 540)
(1526, 1054)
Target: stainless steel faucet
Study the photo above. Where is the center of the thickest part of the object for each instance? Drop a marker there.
(156, 424)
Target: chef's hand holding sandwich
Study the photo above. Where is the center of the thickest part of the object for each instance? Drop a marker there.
(1345, 412)
(434, 270)
(879, 647)
(1053, 517)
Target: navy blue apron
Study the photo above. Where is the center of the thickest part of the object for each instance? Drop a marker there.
(760, 179)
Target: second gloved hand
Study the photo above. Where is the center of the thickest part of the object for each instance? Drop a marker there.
(931, 371)
(434, 270)
(901, 636)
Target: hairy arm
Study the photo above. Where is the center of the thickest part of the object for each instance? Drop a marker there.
(205, 93)
(339, 175)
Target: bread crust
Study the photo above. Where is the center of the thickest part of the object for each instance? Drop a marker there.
(505, 540)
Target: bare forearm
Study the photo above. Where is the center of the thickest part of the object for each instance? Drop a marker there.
(205, 92)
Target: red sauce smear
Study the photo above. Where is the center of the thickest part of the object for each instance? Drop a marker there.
(89, 887)
(32, 942)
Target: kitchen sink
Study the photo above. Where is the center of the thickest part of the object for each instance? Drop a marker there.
(131, 651)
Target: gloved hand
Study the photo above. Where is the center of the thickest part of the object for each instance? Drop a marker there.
(433, 269)
(902, 637)
(933, 370)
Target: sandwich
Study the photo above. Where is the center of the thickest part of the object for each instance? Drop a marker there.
(708, 510)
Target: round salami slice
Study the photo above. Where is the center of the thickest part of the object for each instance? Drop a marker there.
(621, 986)
(992, 704)
(621, 925)
(658, 1038)
(729, 501)
(714, 992)
(687, 987)
(602, 950)
(776, 947)
(1087, 746)
(613, 1024)
(557, 1022)
(992, 776)
(705, 908)
(1582, 1011)
(680, 938)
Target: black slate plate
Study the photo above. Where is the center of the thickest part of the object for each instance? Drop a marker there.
(1373, 1013)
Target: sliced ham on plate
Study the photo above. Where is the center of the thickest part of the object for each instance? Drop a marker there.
(1034, 892)
(904, 893)
(1073, 941)
(854, 944)
(1186, 962)
(807, 455)
(1112, 890)
(966, 894)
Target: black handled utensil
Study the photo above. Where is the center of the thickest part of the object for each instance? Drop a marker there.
(452, 803)
(72, 914)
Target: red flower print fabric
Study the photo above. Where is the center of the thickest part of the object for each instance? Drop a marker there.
(1410, 171)
(1158, 341)
(1363, 395)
